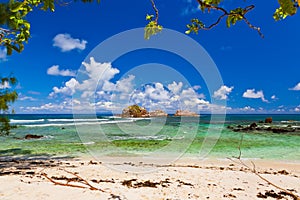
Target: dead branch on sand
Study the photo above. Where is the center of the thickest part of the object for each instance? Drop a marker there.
(238, 160)
(78, 179)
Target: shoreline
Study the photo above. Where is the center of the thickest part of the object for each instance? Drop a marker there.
(187, 178)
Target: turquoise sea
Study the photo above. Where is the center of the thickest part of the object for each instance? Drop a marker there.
(107, 135)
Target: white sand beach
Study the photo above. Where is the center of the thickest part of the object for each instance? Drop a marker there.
(188, 178)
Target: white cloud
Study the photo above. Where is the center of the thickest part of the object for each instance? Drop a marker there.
(68, 89)
(247, 108)
(98, 74)
(274, 97)
(54, 70)
(196, 87)
(297, 109)
(22, 97)
(175, 87)
(250, 93)
(3, 54)
(157, 92)
(223, 92)
(296, 88)
(97, 90)
(66, 43)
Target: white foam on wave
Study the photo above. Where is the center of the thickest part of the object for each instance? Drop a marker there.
(114, 117)
(76, 120)
(290, 122)
(21, 121)
(79, 123)
(149, 137)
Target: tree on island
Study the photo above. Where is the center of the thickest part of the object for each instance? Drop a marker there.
(15, 29)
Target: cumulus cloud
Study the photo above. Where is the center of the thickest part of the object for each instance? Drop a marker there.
(196, 87)
(55, 71)
(66, 90)
(296, 88)
(66, 43)
(96, 89)
(297, 109)
(223, 92)
(250, 93)
(175, 87)
(3, 54)
(247, 108)
(22, 97)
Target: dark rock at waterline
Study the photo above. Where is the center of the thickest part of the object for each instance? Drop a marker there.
(283, 130)
(269, 120)
(253, 125)
(30, 136)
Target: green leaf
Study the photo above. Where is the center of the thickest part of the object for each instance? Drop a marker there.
(188, 32)
(152, 28)
(287, 8)
(149, 17)
(228, 21)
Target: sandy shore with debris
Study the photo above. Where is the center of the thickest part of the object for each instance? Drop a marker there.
(188, 178)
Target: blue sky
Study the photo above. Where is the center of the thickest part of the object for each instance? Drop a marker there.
(259, 75)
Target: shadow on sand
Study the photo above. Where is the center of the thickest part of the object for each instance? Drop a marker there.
(19, 161)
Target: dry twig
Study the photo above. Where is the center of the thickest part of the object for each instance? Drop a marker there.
(238, 160)
(68, 184)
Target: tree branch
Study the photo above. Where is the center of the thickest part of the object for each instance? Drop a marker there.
(228, 14)
(155, 9)
(83, 181)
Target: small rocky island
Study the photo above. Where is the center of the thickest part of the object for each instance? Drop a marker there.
(137, 111)
(158, 113)
(186, 113)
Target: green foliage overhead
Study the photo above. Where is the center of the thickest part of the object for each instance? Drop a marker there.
(7, 96)
(15, 29)
(287, 8)
(152, 28)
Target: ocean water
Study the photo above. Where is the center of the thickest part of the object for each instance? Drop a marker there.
(106, 135)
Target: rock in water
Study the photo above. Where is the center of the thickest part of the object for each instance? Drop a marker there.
(30, 136)
(135, 111)
(158, 113)
(269, 120)
(186, 113)
(253, 125)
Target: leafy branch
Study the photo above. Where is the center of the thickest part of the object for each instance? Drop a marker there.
(7, 96)
(287, 8)
(233, 16)
(152, 28)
